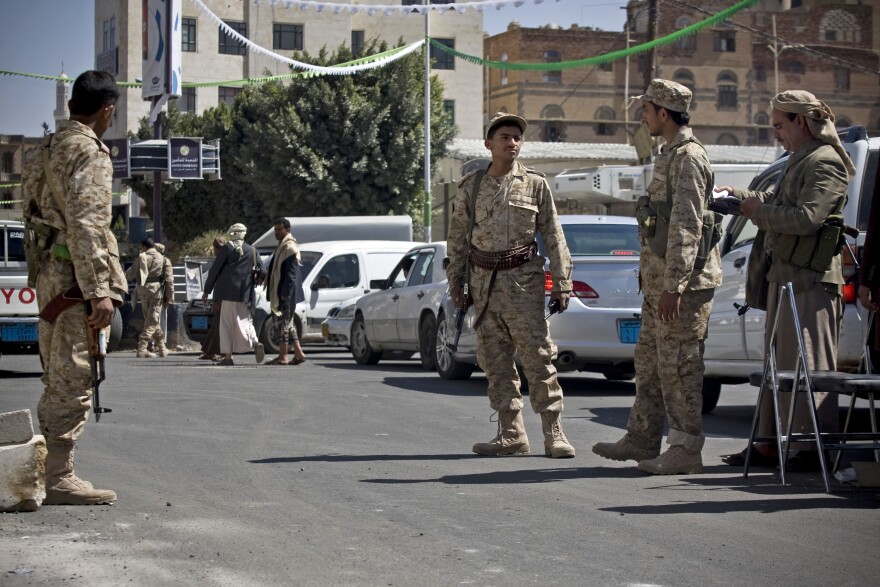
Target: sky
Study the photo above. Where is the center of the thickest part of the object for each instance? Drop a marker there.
(37, 36)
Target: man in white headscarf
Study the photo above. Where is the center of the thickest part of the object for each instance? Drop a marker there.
(231, 278)
(812, 189)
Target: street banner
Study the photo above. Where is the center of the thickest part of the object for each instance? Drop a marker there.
(161, 41)
(184, 158)
(119, 156)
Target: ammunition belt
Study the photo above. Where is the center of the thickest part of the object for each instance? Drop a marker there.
(503, 260)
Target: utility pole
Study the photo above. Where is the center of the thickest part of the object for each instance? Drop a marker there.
(428, 204)
(650, 67)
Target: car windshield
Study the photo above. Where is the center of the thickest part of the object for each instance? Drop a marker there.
(602, 239)
(309, 260)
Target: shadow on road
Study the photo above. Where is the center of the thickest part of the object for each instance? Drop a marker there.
(523, 476)
(4, 374)
(346, 458)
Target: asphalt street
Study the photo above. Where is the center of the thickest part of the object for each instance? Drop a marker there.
(329, 473)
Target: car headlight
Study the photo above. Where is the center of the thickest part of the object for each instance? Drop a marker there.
(346, 312)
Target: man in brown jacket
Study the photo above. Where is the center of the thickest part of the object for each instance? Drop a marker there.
(812, 187)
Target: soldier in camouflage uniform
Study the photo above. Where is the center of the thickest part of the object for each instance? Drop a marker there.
(492, 251)
(677, 299)
(76, 200)
(154, 281)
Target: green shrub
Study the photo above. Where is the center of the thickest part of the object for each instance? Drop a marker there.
(200, 246)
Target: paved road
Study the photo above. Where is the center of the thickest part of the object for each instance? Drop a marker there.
(333, 474)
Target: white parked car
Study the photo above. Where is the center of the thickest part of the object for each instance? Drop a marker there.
(336, 327)
(402, 315)
(735, 345)
(599, 330)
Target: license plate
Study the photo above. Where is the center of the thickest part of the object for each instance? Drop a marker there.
(199, 323)
(325, 330)
(629, 330)
(19, 333)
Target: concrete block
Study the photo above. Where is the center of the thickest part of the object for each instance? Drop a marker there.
(16, 427)
(23, 475)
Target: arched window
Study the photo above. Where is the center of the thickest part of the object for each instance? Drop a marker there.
(727, 90)
(795, 67)
(762, 122)
(552, 111)
(839, 26)
(727, 138)
(605, 128)
(686, 78)
(504, 71)
(552, 77)
(687, 43)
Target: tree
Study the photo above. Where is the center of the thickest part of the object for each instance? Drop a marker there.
(316, 146)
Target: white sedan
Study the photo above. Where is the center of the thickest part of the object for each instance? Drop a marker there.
(402, 315)
(599, 330)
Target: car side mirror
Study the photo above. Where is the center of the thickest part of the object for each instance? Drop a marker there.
(445, 263)
(378, 284)
(322, 283)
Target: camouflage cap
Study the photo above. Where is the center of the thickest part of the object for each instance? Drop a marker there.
(668, 94)
(501, 117)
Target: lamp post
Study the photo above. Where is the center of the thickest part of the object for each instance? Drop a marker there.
(776, 49)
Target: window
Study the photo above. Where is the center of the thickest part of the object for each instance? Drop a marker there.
(608, 66)
(725, 41)
(357, 42)
(551, 111)
(727, 90)
(287, 37)
(839, 26)
(7, 162)
(422, 272)
(687, 43)
(727, 138)
(760, 73)
(504, 71)
(552, 132)
(7, 198)
(605, 128)
(841, 78)
(227, 95)
(188, 35)
(606, 240)
(342, 271)
(762, 121)
(449, 109)
(552, 77)
(795, 67)
(109, 37)
(441, 59)
(230, 45)
(187, 101)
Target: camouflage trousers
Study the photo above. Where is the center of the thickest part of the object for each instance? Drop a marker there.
(669, 371)
(152, 309)
(514, 321)
(67, 390)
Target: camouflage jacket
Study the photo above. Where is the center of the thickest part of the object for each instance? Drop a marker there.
(813, 183)
(689, 174)
(149, 272)
(510, 211)
(80, 175)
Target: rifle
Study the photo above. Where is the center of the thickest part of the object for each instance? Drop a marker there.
(97, 339)
(553, 307)
(459, 324)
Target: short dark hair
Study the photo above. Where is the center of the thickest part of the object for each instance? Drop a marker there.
(93, 90)
(679, 118)
(492, 129)
(283, 222)
(148, 243)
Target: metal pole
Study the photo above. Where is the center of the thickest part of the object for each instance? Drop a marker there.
(775, 49)
(652, 34)
(157, 179)
(427, 232)
(626, 87)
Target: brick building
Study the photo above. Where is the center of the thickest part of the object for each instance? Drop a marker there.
(829, 47)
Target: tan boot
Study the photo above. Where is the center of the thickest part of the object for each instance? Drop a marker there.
(63, 487)
(162, 349)
(511, 439)
(677, 460)
(628, 448)
(556, 445)
(143, 353)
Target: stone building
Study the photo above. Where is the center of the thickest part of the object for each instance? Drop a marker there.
(209, 55)
(831, 47)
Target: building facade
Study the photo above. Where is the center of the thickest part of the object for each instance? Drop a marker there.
(829, 47)
(209, 55)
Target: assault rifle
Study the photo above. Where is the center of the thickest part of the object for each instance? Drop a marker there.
(97, 339)
(459, 324)
(553, 307)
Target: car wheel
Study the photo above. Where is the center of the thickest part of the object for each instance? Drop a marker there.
(428, 342)
(267, 336)
(361, 350)
(711, 394)
(619, 373)
(447, 366)
(116, 328)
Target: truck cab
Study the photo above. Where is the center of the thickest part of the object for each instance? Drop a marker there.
(18, 302)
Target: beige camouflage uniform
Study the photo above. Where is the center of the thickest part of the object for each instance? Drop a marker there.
(150, 272)
(509, 211)
(669, 355)
(80, 173)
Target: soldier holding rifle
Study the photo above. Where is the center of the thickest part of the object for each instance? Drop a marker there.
(68, 188)
(493, 259)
